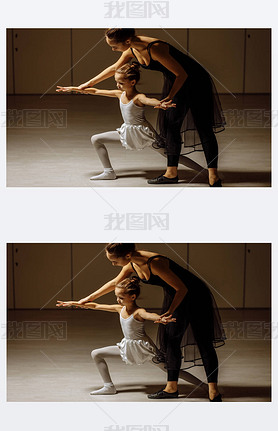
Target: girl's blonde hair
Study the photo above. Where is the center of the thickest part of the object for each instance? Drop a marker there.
(130, 71)
(131, 286)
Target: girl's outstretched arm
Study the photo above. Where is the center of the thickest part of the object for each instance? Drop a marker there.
(152, 101)
(114, 308)
(156, 318)
(92, 91)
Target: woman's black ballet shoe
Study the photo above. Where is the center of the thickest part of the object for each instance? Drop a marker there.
(217, 183)
(160, 395)
(163, 180)
(216, 399)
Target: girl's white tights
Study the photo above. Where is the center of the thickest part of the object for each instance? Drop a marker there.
(99, 355)
(112, 137)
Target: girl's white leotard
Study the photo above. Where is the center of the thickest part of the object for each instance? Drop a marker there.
(136, 347)
(136, 132)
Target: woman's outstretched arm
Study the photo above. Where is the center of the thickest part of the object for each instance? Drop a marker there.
(109, 71)
(126, 271)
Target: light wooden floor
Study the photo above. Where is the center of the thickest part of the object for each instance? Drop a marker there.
(50, 156)
(52, 369)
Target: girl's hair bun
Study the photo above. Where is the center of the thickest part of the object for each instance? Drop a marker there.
(131, 286)
(130, 71)
(135, 280)
(135, 65)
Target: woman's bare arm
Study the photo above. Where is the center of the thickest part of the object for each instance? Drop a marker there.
(160, 267)
(126, 271)
(109, 71)
(160, 52)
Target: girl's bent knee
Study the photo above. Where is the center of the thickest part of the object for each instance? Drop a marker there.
(97, 142)
(94, 355)
(94, 139)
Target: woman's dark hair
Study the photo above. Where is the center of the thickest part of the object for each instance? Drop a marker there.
(131, 286)
(130, 71)
(119, 35)
(120, 249)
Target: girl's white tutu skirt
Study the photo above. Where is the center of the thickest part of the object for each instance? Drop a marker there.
(136, 137)
(136, 351)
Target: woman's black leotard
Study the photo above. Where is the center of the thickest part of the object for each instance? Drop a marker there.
(198, 328)
(198, 108)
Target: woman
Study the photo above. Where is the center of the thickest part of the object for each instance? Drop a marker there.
(187, 299)
(186, 83)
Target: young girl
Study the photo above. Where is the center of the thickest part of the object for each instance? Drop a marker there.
(136, 132)
(136, 347)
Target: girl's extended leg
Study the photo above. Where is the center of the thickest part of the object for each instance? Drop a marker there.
(98, 142)
(98, 356)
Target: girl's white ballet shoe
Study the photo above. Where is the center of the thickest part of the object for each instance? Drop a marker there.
(106, 175)
(106, 390)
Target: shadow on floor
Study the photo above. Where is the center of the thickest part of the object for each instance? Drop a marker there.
(189, 392)
(239, 392)
(246, 177)
(192, 177)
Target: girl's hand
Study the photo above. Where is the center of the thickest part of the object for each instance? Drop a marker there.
(66, 304)
(67, 89)
(165, 104)
(165, 319)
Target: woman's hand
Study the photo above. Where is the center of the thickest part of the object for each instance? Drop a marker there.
(166, 99)
(84, 300)
(83, 86)
(165, 319)
(165, 104)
